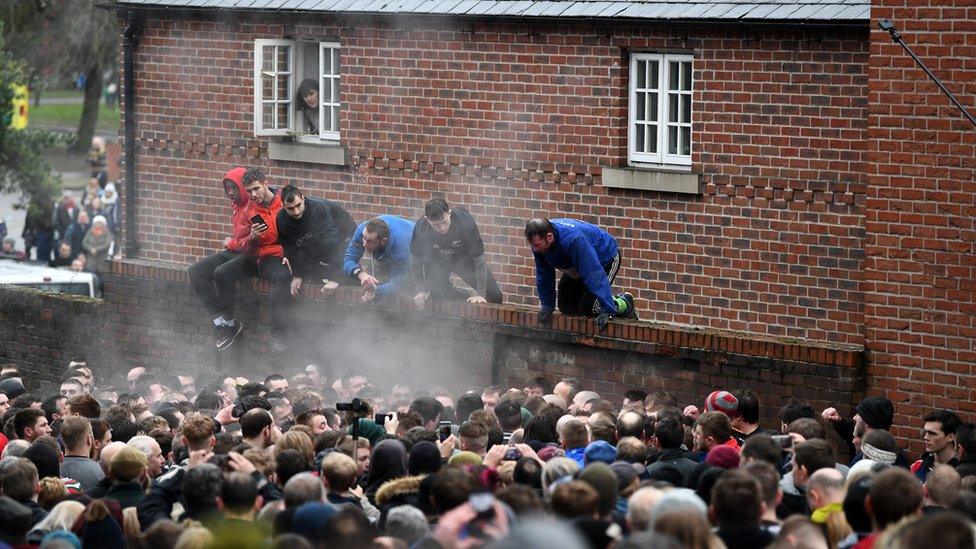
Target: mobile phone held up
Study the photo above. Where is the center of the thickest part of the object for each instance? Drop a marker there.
(256, 219)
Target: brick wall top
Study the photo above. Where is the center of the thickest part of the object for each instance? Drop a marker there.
(643, 337)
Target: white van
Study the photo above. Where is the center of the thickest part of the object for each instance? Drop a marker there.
(48, 279)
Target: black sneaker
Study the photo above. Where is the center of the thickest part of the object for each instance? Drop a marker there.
(631, 313)
(227, 334)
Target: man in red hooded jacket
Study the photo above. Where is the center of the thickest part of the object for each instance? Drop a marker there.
(263, 257)
(203, 272)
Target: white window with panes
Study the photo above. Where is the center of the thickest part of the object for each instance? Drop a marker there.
(296, 89)
(660, 110)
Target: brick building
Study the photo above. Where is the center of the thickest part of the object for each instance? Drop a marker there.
(776, 170)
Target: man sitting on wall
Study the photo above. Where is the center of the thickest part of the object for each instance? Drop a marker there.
(262, 257)
(314, 233)
(446, 240)
(387, 239)
(203, 273)
(588, 258)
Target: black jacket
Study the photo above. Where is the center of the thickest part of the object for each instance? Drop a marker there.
(966, 466)
(673, 457)
(320, 235)
(461, 242)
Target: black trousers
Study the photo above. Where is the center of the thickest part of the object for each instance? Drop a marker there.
(227, 275)
(202, 279)
(438, 277)
(574, 298)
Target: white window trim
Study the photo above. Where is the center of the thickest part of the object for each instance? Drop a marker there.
(326, 48)
(324, 136)
(661, 159)
(259, 46)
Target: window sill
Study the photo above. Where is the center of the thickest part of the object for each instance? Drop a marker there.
(652, 179)
(329, 154)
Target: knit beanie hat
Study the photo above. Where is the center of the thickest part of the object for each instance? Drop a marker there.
(310, 521)
(550, 452)
(128, 464)
(369, 430)
(626, 474)
(12, 387)
(424, 458)
(465, 458)
(723, 456)
(722, 401)
(604, 481)
(877, 412)
(599, 450)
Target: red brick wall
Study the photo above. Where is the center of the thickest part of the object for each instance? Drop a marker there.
(516, 120)
(920, 268)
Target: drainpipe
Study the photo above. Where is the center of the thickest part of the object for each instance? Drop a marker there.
(130, 40)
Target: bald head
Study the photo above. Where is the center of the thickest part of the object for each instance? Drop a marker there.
(825, 486)
(583, 397)
(108, 452)
(639, 507)
(303, 488)
(942, 486)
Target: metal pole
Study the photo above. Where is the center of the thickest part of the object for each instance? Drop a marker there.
(889, 27)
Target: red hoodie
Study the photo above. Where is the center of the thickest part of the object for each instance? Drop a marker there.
(239, 241)
(267, 244)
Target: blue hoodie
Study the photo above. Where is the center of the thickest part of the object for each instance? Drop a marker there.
(396, 253)
(581, 249)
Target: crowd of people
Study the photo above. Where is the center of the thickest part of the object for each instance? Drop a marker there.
(289, 239)
(302, 460)
(72, 234)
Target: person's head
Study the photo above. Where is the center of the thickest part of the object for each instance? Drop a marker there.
(567, 389)
(72, 387)
(875, 413)
(747, 411)
(31, 424)
(313, 419)
(509, 414)
(154, 454)
(810, 457)
(688, 529)
(438, 215)
(575, 499)
(966, 440)
(303, 488)
(808, 428)
(339, 472)
(469, 402)
(824, 487)
(99, 224)
(64, 250)
(257, 427)
(256, 185)
(490, 396)
(239, 496)
(429, 409)
(83, 405)
(77, 435)
(198, 432)
(769, 479)
(277, 382)
(376, 234)
(793, 411)
(762, 448)
(573, 434)
(950, 529)
(473, 437)
(711, 429)
(632, 450)
(737, 499)
(893, 495)
(294, 205)
(556, 469)
(20, 481)
(83, 218)
(539, 233)
(669, 433)
(939, 432)
(451, 487)
(942, 486)
(308, 94)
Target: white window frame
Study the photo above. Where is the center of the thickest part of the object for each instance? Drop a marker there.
(295, 59)
(259, 101)
(661, 158)
(333, 103)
